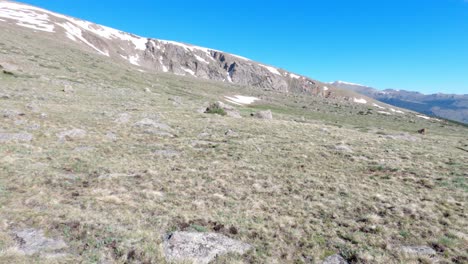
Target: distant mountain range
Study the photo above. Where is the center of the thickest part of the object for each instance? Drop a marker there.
(449, 106)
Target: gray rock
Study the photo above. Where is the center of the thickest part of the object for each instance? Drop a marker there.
(231, 133)
(68, 89)
(200, 248)
(419, 251)
(122, 118)
(343, 148)
(264, 115)
(166, 153)
(403, 136)
(111, 136)
(33, 241)
(72, 134)
(21, 137)
(150, 123)
(335, 259)
(8, 113)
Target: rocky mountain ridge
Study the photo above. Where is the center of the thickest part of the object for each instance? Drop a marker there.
(158, 55)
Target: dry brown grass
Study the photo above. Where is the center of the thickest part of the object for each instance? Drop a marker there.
(280, 185)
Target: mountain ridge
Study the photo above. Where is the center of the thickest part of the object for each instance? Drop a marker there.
(449, 106)
(159, 55)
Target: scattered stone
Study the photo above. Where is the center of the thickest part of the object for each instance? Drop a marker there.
(200, 248)
(72, 134)
(335, 259)
(7, 113)
(403, 136)
(222, 109)
(147, 90)
(68, 89)
(176, 100)
(111, 136)
(263, 115)
(83, 149)
(419, 251)
(32, 241)
(122, 118)
(166, 153)
(231, 133)
(33, 107)
(21, 137)
(343, 148)
(154, 128)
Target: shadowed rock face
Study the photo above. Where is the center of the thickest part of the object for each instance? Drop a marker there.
(156, 55)
(200, 248)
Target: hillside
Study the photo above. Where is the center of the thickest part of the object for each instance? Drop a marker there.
(448, 106)
(105, 161)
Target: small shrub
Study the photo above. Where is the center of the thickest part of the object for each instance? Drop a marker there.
(215, 109)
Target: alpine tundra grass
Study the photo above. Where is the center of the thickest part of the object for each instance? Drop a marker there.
(117, 158)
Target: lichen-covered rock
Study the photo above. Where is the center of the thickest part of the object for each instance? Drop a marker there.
(264, 115)
(72, 134)
(335, 259)
(33, 241)
(20, 137)
(419, 251)
(200, 248)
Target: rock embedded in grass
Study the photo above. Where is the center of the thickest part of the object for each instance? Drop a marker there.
(200, 248)
(263, 115)
(419, 251)
(32, 241)
(335, 259)
(72, 134)
(21, 137)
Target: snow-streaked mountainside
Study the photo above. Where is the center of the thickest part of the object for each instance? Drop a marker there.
(449, 106)
(158, 55)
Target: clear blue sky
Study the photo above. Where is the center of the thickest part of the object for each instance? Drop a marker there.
(417, 45)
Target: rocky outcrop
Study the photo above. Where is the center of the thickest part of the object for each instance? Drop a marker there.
(200, 248)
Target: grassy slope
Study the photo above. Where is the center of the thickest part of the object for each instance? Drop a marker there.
(280, 185)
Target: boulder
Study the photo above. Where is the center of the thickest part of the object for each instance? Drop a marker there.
(72, 134)
(263, 115)
(419, 251)
(335, 259)
(200, 248)
(33, 241)
(21, 137)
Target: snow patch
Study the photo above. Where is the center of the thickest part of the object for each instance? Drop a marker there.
(110, 33)
(188, 71)
(73, 32)
(378, 106)
(240, 57)
(396, 111)
(294, 76)
(25, 17)
(271, 69)
(201, 59)
(423, 116)
(240, 99)
(383, 112)
(360, 101)
(349, 83)
(229, 77)
(134, 59)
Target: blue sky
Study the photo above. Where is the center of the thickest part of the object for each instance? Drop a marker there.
(417, 45)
